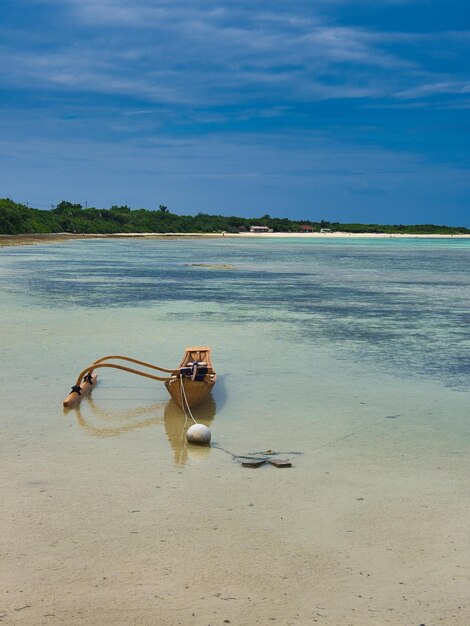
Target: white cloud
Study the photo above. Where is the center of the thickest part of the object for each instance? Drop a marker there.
(199, 53)
(436, 88)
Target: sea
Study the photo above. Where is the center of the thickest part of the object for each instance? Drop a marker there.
(349, 357)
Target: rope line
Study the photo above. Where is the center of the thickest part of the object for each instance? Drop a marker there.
(263, 455)
(184, 400)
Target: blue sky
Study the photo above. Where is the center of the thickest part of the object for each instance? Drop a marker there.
(347, 110)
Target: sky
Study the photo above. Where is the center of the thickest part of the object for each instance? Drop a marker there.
(342, 110)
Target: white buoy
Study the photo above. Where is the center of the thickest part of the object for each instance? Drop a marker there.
(198, 434)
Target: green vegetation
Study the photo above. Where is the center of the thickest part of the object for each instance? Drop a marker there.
(19, 219)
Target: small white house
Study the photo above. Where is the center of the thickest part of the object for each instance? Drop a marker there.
(260, 229)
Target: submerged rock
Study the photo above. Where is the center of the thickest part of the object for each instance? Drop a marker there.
(213, 266)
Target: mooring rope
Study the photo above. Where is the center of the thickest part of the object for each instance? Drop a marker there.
(262, 455)
(184, 400)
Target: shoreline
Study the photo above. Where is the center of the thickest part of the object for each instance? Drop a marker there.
(344, 235)
(38, 238)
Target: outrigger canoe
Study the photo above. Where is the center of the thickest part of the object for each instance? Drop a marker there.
(189, 384)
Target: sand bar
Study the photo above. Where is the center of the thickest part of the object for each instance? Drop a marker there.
(35, 238)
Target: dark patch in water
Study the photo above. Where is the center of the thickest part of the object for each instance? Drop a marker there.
(407, 309)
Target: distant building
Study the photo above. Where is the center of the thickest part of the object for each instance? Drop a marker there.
(305, 228)
(242, 229)
(260, 229)
(326, 230)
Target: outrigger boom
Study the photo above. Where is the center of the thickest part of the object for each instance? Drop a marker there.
(188, 384)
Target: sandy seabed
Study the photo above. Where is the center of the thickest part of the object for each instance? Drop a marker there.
(109, 518)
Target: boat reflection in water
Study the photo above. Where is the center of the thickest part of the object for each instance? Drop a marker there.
(176, 426)
(99, 422)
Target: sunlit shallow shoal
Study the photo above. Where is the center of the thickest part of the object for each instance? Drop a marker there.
(352, 353)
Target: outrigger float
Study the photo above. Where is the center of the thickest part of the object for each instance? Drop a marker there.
(189, 384)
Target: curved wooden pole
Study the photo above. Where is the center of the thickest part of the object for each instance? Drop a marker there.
(127, 358)
(87, 378)
(94, 366)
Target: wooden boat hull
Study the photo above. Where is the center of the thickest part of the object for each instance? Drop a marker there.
(194, 392)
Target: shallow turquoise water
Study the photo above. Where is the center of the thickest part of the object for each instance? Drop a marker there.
(401, 305)
(298, 327)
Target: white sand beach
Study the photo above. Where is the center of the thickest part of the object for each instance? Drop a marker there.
(338, 234)
(11, 240)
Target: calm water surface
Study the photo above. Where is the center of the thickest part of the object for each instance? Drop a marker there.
(354, 353)
(291, 323)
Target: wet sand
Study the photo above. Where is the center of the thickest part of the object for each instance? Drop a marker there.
(112, 535)
(19, 240)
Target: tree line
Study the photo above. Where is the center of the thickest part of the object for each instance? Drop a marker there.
(67, 217)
